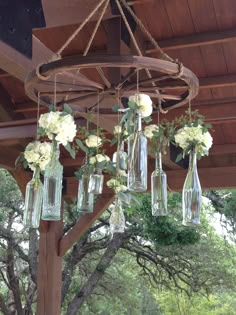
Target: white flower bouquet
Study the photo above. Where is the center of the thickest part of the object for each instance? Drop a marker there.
(38, 154)
(143, 104)
(59, 126)
(194, 137)
(159, 136)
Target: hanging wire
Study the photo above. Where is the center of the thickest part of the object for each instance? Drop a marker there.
(38, 107)
(137, 81)
(190, 110)
(98, 118)
(55, 92)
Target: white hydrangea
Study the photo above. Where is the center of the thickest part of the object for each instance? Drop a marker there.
(120, 188)
(122, 173)
(93, 141)
(186, 135)
(117, 130)
(116, 185)
(144, 103)
(99, 158)
(92, 160)
(148, 131)
(59, 125)
(38, 154)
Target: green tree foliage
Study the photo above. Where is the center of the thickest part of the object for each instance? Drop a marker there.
(155, 263)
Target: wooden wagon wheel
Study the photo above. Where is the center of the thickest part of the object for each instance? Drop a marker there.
(174, 86)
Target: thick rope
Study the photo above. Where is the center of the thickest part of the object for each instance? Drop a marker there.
(146, 32)
(135, 43)
(80, 27)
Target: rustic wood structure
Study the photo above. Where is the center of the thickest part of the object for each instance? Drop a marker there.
(199, 33)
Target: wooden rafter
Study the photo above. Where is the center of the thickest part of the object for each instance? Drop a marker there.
(84, 223)
(17, 64)
(210, 177)
(200, 39)
(73, 13)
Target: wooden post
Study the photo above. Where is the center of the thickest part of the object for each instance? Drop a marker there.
(49, 269)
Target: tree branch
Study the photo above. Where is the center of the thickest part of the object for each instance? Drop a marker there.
(98, 273)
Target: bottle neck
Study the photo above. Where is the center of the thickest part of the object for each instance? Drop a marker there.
(139, 122)
(55, 150)
(121, 146)
(118, 203)
(36, 174)
(192, 159)
(158, 160)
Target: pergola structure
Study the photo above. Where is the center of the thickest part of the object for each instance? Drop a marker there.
(200, 33)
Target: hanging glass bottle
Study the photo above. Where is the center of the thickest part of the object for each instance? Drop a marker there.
(121, 156)
(33, 201)
(85, 198)
(192, 193)
(96, 182)
(137, 159)
(117, 218)
(52, 189)
(159, 189)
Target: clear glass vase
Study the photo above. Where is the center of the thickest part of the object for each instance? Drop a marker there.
(192, 193)
(52, 189)
(117, 218)
(96, 182)
(159, 189)
(121, 157)
(137, 159)
(33, 201)
(85, 198)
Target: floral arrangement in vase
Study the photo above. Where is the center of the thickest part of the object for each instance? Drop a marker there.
(96, 162)
(43, 157)
(159, 137)
(195, 140)
(192, 134)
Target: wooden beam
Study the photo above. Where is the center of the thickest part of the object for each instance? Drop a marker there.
(219, 113)
(22, 178)
(49, 280)
(134, 2)
(219, 81)
(223, 149)
(84, 223)
(6, 106)
(210, 177)
(17, 64)
(25, 128)
(208, 38)
(73, 12)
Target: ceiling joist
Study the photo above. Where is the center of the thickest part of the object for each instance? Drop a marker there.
(195, 40)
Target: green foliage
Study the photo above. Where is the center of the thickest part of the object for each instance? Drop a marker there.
(163, 230)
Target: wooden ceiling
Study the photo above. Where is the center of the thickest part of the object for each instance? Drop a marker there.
(199, 33)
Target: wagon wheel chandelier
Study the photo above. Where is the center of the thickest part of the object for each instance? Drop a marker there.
(165, 80)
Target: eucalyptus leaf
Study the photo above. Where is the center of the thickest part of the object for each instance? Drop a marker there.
(51, 108)
(179, 157)
(82, 146)
(67, 109)
(113, 141)
(115, 108)
(147, 119)
(70, 150)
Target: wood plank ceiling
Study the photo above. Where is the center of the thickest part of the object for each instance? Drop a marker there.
(199, 33)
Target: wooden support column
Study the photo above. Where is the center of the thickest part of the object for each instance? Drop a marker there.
(49, 269)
